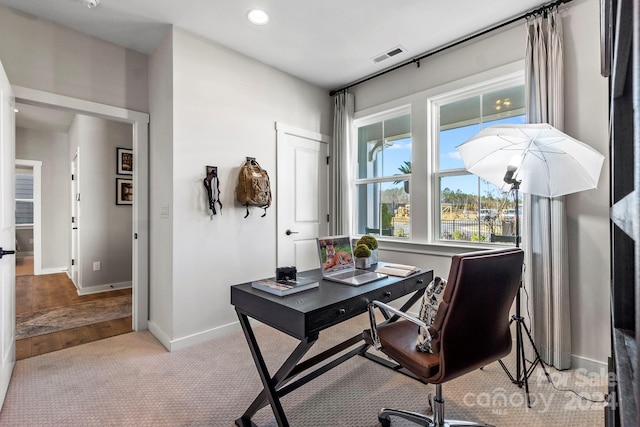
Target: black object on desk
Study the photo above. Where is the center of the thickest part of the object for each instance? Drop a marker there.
(303, 316)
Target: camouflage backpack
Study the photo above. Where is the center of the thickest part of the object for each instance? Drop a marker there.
(253, 187)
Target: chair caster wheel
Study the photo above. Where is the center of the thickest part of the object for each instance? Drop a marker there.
(384, 422)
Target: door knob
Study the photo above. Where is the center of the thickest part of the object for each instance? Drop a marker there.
(289, 232)
(3, 252)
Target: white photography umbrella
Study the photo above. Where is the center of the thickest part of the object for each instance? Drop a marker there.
(547, 161)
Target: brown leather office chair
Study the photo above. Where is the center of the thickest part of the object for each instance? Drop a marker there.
(470, 330)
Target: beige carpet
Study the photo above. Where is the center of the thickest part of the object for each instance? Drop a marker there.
(130, 380)
(60, 318)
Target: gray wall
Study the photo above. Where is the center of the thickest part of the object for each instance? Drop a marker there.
(105, 228)
(586, 115)
(51, 149)
(41, 55)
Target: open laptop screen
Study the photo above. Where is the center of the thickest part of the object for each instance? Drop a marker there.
(335, 254)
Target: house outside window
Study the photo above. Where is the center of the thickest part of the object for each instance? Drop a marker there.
(383, 174)
(469, 208)
(24, 199)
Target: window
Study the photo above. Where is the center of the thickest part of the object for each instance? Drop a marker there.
(24, 199)
(383, 174)
(468, 207)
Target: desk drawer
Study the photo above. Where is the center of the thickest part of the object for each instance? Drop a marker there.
(347, 309)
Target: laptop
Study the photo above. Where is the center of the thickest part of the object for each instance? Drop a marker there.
(338, 264)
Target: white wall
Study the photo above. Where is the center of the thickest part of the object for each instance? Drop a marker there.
(105, 228)
(225, 107)
(51, 149)
(40, 55)
(586, 115)
(161, 250)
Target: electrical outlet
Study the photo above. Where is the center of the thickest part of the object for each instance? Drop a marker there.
(96, 266)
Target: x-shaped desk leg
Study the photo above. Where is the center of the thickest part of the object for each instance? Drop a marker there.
(271, 385)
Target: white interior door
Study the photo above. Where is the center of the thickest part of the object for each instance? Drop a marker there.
(302, 196)
(75, 221)
(7, 235)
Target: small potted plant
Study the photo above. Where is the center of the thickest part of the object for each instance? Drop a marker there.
(363, 256)
(372, 244)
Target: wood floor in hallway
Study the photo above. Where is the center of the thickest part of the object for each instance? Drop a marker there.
(35, 293)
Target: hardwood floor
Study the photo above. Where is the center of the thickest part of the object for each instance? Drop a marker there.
(35, 293)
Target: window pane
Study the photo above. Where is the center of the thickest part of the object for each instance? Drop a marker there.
(449, 140)
(24, 186)
(384, 147)
(474, 210)
(369, 147)
(24, 213)
(383, 209)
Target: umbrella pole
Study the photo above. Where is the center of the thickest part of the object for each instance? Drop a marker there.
(522, 373)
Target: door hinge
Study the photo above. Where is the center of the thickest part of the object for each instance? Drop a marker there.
(328, 159)
(78, 197)
(135, 236)
(73, 177)
(73, 262)
(327, 217)
(73, 220)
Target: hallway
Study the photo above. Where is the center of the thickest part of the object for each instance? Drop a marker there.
(56, 291)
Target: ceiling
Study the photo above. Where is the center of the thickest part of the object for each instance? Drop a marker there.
(329, 43)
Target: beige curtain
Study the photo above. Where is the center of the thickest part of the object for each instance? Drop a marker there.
(546, 278)
(340, 166)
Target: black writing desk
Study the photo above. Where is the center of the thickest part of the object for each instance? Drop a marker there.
(304, 315)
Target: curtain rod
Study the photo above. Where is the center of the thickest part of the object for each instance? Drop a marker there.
(417, 59)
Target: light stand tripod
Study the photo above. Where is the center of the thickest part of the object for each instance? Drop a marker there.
(522, 373)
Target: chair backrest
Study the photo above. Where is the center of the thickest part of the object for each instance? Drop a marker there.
(471, 328)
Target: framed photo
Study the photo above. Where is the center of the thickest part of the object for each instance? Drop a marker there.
(124, 191)
(125, 161)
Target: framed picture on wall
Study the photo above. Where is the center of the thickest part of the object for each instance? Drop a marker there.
(125, 161)
(124, 191)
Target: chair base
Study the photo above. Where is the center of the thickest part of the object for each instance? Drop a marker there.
(422, 420)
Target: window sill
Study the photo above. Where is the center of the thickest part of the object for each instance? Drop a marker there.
(433, 248)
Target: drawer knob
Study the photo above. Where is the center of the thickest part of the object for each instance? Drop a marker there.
(342, 311)
(387, 294)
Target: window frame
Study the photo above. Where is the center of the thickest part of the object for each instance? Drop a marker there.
(433, 142)
(383, 116)
(422, 206)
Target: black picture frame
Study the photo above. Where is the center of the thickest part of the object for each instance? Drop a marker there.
(124, 191)
(124, 160)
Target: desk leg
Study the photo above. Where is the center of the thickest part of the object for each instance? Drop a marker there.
(269, 393)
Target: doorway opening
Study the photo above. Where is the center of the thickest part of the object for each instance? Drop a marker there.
(138, 210)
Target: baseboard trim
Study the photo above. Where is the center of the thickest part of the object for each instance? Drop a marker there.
(190, 340)
(590, 365)
(157, 332)
(104, 288)
(53, 270)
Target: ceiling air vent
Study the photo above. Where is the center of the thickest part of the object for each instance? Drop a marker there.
(391, 52)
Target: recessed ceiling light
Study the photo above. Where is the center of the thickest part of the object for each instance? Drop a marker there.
(90, 3)
(258, 17)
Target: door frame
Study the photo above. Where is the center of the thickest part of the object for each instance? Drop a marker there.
(140, 135)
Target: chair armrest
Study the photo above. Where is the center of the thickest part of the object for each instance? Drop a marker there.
(374, 327)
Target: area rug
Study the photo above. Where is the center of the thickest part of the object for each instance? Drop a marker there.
(57, 319)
